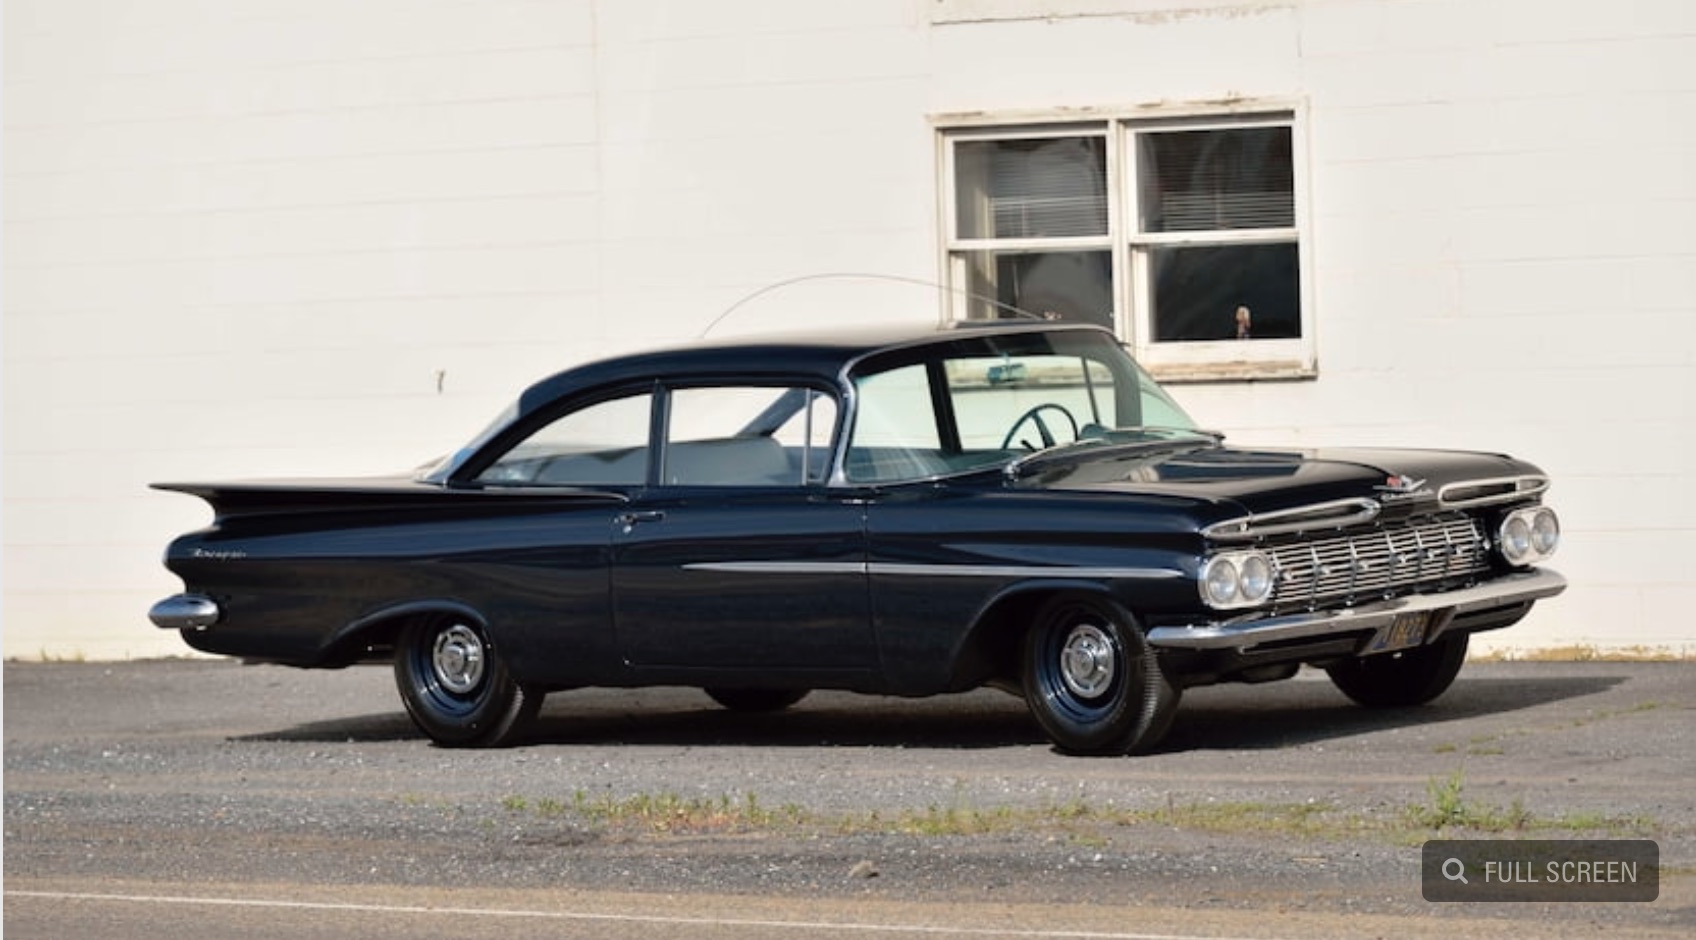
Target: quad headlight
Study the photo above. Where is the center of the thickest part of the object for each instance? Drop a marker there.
(1237, 579)
(1527, 536)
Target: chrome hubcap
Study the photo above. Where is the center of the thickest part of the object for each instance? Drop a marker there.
(458, 659)
(1087, 661)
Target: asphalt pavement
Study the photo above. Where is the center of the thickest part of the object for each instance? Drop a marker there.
(207, 799)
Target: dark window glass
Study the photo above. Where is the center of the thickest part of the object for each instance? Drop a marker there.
(1056, 285)
(1197, 181)
(1209, 293)
(1043, 188)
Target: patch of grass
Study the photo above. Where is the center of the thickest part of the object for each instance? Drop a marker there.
(1073, 820)
(422, 801)
(1307, 819)
(960, 820)
(1447, 808)
(663, 812)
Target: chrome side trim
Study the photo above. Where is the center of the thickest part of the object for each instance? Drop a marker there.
(780, 567)
(1019, 571)
(1511, 589)
(1337, 514)
(185, 612)
(1489, 492)
(945, 571)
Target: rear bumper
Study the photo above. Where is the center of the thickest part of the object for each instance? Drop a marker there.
(185, 612)
(1514, 589)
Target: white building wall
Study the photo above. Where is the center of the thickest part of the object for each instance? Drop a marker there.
(287, 237)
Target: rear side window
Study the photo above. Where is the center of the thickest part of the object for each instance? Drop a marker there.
(605, 444)
(747, 436)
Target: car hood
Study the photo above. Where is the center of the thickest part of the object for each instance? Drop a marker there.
(1264, 481)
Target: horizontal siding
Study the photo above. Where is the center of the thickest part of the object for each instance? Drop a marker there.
(266, 237)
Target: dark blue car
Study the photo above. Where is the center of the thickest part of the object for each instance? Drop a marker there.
(895, 512)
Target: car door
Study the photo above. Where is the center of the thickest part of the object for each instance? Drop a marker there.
(538, 570)
(737, 559)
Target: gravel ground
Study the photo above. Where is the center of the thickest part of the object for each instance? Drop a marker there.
(1281, 798)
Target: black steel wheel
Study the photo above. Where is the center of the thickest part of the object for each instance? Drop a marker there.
(1092, 681)
(756, 700)
(455, 686)
(1398, 680)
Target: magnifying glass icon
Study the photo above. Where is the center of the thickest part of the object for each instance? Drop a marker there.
(1459, 872)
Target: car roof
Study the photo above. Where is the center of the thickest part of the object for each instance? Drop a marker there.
(821, 355)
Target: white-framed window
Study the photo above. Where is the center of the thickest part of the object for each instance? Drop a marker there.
(1185, 234)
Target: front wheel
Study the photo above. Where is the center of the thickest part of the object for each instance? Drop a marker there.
(1092, 681)
(455, 686)
(1398, 680)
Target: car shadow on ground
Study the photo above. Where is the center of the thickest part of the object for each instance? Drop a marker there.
(1226, 718)
(1233, 717)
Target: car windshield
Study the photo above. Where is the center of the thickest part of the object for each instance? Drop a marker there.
(987, 401)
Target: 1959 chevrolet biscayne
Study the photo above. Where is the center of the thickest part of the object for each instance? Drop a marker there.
(895, 512)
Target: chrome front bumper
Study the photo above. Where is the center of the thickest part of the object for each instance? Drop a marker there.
(1515, 588)
(185, 612)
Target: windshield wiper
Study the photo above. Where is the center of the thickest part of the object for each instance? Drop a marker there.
(1074, 450)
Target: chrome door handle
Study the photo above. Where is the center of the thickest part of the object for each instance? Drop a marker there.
(629, 520)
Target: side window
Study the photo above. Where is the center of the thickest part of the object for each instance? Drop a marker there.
(747, 436)
(895, 436)
(605, 443)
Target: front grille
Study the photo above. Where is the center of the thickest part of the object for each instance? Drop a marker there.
(1385, 561)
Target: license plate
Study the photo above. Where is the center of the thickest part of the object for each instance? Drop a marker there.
(1404, 632)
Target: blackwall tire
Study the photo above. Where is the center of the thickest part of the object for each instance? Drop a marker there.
(756, 700)
(1404, 679)
(1092, 681)
(455, 686)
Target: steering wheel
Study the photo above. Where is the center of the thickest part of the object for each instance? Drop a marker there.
(1034, 416)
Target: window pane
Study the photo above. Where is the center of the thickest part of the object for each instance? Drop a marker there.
(1198, 292)
(604, 443)
(1058, 285)
(1073, 394)
(895, 436)
(1049, 188)
(746, 436)
(707, 413)
(808, 432)
(895, 410)
(1194, 181)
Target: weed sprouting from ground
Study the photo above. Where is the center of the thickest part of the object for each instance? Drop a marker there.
(1446, 808)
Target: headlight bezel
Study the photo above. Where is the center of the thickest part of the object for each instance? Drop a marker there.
(1237, 579)
(1528, 535)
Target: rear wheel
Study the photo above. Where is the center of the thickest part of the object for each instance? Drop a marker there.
(1092, 681)
(756, 700)
(455, 686)
(1398, 680)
